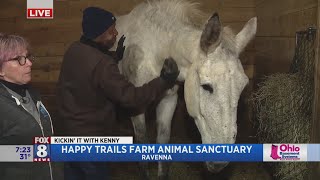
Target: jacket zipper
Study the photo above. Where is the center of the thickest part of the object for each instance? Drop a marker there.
(40, 104)
(38, 107)
(41, 127)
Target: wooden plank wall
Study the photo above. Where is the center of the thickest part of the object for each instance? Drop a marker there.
(316, 109)
(50, 38)
(277, 23)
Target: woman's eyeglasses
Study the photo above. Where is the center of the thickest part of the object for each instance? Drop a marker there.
(23, 59)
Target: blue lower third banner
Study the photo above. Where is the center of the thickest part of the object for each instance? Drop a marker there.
(156, 152)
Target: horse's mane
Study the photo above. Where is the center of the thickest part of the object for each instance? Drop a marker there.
(169, 15)
(166, 13)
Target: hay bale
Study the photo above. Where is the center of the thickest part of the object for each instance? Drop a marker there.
(291, 170)
(282, 106)
(281, 110)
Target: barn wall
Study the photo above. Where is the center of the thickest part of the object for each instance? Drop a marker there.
(315, 138)
(278, 22)
(50, 38)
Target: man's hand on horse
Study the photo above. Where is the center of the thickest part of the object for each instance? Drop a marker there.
(120, 49)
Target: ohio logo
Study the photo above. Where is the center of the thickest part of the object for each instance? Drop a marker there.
(39, 9)
(285, 152)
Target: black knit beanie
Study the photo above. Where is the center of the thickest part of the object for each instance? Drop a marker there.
(96, 21)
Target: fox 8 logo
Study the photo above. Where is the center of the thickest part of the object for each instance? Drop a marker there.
(41, 153)
(42, 150)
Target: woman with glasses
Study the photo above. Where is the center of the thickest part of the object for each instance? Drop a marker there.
(22, 115)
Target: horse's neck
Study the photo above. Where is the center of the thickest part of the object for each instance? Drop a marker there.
(185, 48)
(183, 45)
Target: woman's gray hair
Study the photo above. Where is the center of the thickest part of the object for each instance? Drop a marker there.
(11, 46)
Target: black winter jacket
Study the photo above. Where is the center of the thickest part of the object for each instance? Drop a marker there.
(90, 88)
(18, 127)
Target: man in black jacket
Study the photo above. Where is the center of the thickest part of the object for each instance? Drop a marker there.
(90, 87)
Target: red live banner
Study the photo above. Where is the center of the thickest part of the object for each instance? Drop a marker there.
(39, 9)
(40, 13)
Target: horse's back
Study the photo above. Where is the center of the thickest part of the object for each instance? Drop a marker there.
(150, 23)
(150, 29)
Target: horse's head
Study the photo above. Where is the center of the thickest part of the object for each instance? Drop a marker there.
(215, 82)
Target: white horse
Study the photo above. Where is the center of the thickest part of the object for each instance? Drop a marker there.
(208, 60)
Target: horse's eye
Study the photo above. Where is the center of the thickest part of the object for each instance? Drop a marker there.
(207, 87)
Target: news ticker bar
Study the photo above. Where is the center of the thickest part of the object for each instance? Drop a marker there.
(162, 152)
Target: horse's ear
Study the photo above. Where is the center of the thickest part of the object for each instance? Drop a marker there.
(211, 33)
(246, 34)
